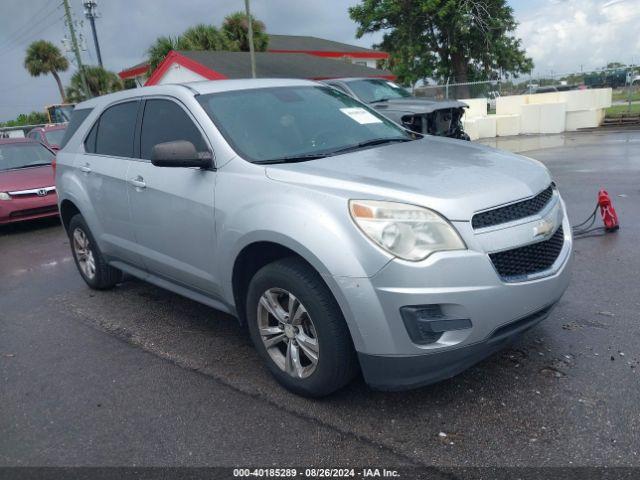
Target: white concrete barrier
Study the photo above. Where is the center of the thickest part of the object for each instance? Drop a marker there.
(507, 125)
(551, 112)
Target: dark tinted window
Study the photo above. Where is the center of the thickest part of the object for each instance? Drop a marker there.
(165, 121)
(77, 117)
(90, 141)
(116, 130)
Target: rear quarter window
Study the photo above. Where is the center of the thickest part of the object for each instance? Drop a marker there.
(77, 118)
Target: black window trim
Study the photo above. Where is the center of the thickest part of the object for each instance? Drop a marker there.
(95, 123)
(138, 139)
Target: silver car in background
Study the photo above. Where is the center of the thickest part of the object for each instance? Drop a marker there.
(343, 241)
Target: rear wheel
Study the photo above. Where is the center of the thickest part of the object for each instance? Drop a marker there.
(89, 259)
(298, 329)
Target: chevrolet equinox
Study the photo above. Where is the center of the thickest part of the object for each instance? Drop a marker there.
(344, 242)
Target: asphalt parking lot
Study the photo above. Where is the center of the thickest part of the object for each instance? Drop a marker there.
(140, 376)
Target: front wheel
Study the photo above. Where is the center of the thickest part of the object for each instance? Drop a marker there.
(298, 329)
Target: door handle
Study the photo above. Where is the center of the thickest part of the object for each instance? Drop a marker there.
(138, 182)
(85, 168)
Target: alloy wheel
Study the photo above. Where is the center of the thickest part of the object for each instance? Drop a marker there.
(84, 253)
(288, 333)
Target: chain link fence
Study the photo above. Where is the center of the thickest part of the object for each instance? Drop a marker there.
(624, 80)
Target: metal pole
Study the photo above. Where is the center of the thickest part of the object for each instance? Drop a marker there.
(76, 49)
(90, 13)
(251, 52)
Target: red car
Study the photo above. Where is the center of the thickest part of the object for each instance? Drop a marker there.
(50, 135)
(27, 184)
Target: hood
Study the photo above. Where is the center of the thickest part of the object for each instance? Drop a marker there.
(417, 105)
(26, 178)
(453, 177)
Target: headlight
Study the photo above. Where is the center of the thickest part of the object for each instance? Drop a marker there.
(406, 231)
(5, 196)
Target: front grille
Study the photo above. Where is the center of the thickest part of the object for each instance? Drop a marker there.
(512, 212)
(522, 261)
(34, 211)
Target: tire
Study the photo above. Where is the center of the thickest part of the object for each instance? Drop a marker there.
(104, 276)
(319, 319)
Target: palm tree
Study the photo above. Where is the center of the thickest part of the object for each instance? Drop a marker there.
(236, 27)
(44, 57)
(205, 37)
(160, 49)
(99, 81)
(231, 37)
(199, 37)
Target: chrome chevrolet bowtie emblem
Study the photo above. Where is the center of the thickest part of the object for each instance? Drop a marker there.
(42, 192)
(544, 227)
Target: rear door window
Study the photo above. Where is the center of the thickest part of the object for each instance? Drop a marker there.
(116, 130)
(165, 121)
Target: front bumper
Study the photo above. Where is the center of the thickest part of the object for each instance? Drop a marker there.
(22, 208)
(404, 372)
(464, 284)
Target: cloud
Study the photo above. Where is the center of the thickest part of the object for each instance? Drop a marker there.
(563, 36)
(127, 28)
(558, 34)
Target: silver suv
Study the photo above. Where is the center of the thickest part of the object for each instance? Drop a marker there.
(342, 241)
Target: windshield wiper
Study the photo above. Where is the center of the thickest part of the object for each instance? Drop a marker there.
(371, 143)
(30, 165)
(293, 158)
(315, 156)
(380, 100)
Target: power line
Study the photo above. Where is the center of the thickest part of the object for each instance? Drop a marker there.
(33, 35)
(29, 21)
(17, 34)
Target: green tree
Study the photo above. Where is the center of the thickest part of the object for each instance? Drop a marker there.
(205, 37)
(199, 37)
(232, 37)
(459, 40)
(160, 49)
(236, 27)
(33, 118)
(44, 57)
(99, 81)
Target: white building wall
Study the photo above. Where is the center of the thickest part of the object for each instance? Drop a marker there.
(179, 74)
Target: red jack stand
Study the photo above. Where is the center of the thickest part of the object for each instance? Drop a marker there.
(609, 216)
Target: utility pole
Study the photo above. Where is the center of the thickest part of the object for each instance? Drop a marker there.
(251, 52)
(74, 45)
(91, 13)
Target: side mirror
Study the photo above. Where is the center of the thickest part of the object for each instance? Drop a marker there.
(180, 153)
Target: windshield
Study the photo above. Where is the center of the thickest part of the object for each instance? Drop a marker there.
(374, 90)
(21, 155)
(280, 123)
(54, 137)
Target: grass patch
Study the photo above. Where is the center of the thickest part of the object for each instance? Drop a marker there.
(617, 111)
(624, 95)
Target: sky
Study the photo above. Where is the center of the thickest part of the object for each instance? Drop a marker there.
(560, 35)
